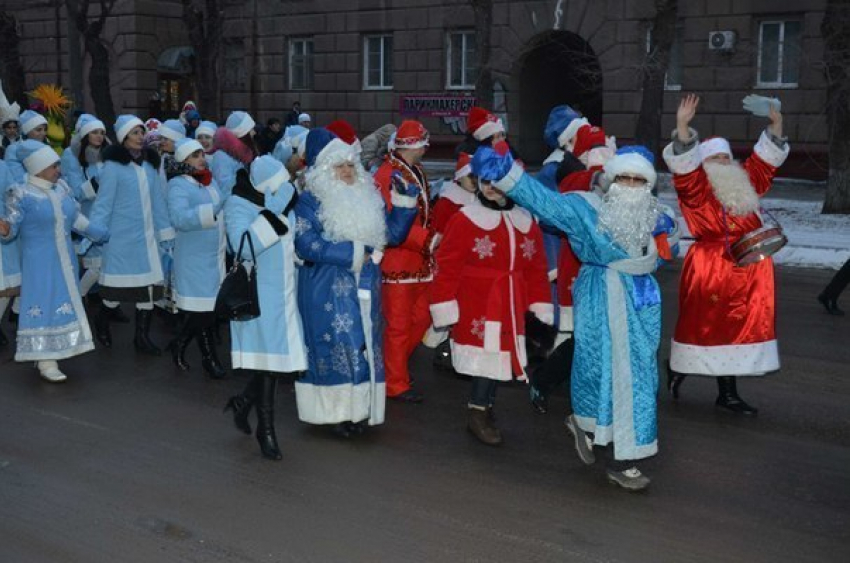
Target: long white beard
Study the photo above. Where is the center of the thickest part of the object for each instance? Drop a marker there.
(629, 215)
(349, 212)
(732, 187)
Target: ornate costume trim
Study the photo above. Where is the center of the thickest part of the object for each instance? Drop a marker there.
(684, 163)
(331, 404)
(445, 314)
(769, 152)
(734, 359)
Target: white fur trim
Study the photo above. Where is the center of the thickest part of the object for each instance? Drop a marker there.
(733, 359)
(206, 213)
(40, 159)
(244, 126)
(274, 181)
(204, 131)
(488, 129)
(565, 319)
(714, 146)
(544, 311)
(566, 137)
(302, 117)
(455, 194)
(81, 223)
(684, 163)
(492, 336)
(186, 149)
(167, 233)
(88, 190)
(556, 155)
(435, 336)
(475, 360)
(463, 171)
(32, 123)
(399, 200)
(507, 183)
(92, 125)
(445, 314)
(357, 256)
(332, 404)
(769, 152)
(129, 126)
(296, 360)
(266, 234)
(552, 274)
(630, 163)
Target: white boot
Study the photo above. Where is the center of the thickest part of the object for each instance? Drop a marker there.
(49, 370)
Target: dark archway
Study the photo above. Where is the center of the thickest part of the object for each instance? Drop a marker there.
(559, 67)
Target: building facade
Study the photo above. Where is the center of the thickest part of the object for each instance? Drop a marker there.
(373, 61)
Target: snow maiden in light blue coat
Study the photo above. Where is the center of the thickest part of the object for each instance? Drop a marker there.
(235, 150)
(342, 227)
(33, 126)
(273, 343)
(131, 206)
(194, 205)
(41, 213)
(617, 302)
(82, 162)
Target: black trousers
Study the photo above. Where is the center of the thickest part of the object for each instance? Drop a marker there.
(838, 283)
(556, 369)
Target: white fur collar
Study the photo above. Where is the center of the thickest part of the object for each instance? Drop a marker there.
(556, 156)
(488, 219)
(455, 194)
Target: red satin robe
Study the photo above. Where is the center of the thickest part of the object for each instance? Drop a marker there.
(726, 312)
(451, 199)
(491, 269)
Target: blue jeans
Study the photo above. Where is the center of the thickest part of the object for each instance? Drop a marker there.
(483, 392)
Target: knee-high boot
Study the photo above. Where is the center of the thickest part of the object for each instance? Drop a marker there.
(727, 397)
(242, 404)
(142, 340)
(178, 346)
(101, 326)
(210, 361)
(265, 419)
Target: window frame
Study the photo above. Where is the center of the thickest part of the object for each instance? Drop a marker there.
(383, 37)
(307, 63)
(464, 64)
(779, 60)
(677, 37)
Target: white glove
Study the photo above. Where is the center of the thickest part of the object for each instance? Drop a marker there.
(760, 105)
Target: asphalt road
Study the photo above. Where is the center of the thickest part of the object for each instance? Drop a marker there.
(132, 461)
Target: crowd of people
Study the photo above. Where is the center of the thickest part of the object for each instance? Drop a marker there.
(357, 262)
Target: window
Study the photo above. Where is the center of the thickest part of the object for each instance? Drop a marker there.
(235, 70)
(461, 60)
(673, 77)
(301, 64)
(378, 62)
(779, 54)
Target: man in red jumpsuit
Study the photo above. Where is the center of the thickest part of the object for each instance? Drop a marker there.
(726, 312)
(407, 268)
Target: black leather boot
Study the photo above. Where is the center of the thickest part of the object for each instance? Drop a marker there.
(142, 340)
(101, 326)
(728, 397)
(674, 380)
(265, 420)
(211, 363)
(830, 304)
(3, 339)
(241, 405)
(178, 346)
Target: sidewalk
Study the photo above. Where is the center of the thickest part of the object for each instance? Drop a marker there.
(814, 240)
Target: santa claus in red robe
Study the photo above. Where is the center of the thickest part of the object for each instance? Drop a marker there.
(727, 312)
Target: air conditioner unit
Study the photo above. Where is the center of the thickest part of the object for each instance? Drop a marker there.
(722, 40)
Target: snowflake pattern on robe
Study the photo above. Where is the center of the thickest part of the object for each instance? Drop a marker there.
(315, 245)
(345, 359)
(34, 312)
(322, 366)
(329, 307)
(65, 309)
(342, 323)
(302, 225)
(528, 248)
(326, 337)
(478, 327)
(484, 247)
(342, 287)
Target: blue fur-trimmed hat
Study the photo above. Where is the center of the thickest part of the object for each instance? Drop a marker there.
(632, 159)
(562, 125)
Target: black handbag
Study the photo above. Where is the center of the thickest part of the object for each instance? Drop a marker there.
(237, 298)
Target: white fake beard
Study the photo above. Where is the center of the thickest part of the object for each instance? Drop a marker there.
(732, 187)
(629, 215)
(349, 212)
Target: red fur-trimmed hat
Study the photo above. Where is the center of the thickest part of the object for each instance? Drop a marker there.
(588, 137)
(463, 166)
(343, 129)
(411, 135)
(483, 124)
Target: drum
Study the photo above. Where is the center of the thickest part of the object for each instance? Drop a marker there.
(757, 245)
